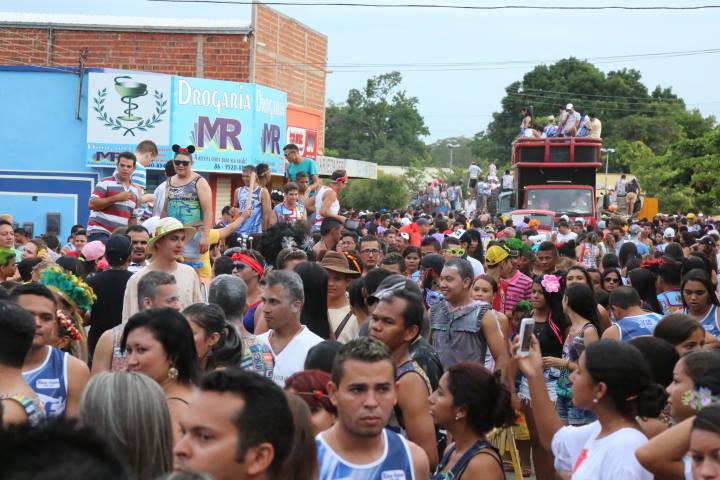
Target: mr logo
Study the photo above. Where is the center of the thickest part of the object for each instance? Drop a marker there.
(271, 138)
(221, 130)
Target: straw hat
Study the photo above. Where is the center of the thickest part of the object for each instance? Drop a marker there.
(165, 227)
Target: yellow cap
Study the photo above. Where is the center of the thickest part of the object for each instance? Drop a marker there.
(495, 255)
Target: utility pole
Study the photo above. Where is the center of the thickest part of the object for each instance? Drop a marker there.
(607, 151)
(452, 146)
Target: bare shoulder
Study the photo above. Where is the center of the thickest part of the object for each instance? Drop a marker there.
(484, 465)
(77, 368)
(421, 464)
(12, 413)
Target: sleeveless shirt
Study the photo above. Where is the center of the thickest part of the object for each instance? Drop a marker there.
(637, 326)
(183, 202)
(119, 358)
(709, 321)
(480, 446)
(394, 464)
(397, 422)
(334, 208)
(49, 381)
(255, 222)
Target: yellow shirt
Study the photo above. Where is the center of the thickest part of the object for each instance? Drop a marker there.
(205, 272)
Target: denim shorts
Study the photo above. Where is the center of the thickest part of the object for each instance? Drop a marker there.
(551, 376)
(572, 415)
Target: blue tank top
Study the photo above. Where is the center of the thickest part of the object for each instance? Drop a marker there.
(249, 318)
(255, 222)
(395, 463)
(49, 381)
(638, 326)
(709, 322)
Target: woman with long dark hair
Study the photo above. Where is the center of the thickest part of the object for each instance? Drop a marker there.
(682, 332)
(614, 381)
(643, 281)
(160, 344)
(469, 402)
(472, 243)
(701, 302)
(580, 309)
(217, 342)
(550, 327)
(611, 279)
(314, 313)
(579, 274)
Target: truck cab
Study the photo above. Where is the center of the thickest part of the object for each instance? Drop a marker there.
(557, 174)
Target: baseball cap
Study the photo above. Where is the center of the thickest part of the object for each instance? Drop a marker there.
(635, 229)
(569, 106)
(601, 224)
(691, 215)
(93, 250)
(495, 255)
(405, 221)
(669, 233)
(118, 248)
(422, 221)
(392, 284)
(707, 240)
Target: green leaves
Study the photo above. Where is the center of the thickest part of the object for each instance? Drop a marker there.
(379, 123)
(385, 192)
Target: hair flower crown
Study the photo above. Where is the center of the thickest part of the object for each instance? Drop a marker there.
(699, 398)
(550, 283)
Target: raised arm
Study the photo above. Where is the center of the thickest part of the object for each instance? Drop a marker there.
(663, 454)
(546, 418)
(205, 196)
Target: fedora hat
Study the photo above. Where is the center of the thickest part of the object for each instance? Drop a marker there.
(337, 262)
(166, 226)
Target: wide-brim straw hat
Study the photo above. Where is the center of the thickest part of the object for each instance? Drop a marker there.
(166, 226)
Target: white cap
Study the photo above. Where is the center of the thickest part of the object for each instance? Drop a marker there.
(405, 221)
(669, 233)
(569, 106)
(565, 217)
(151, 223)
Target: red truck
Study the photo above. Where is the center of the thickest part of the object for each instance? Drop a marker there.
(556, 174)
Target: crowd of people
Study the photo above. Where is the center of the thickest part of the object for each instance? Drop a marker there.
(295, 339)
(569, 123)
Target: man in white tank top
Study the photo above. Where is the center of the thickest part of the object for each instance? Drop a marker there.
(327, 200)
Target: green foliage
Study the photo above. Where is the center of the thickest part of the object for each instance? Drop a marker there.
(461, 155)
(386, 192)
(685, 178)
(379, 123)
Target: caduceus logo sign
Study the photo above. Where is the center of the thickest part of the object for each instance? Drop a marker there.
(131, 92)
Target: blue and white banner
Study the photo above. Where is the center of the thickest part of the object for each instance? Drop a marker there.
(231, 124)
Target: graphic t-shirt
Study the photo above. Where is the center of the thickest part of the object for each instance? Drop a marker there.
(291, 358)
(578, 450)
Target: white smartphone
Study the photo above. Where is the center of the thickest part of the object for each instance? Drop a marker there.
(527, 325)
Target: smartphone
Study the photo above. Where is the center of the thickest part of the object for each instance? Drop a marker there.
(527, 325)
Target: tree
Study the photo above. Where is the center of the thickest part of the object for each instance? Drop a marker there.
(387, 191)
(685, 178)
(379, 123)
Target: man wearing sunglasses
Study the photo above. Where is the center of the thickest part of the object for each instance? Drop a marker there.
(396, 322)
(451, 249)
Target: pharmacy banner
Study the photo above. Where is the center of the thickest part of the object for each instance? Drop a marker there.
(231, 124)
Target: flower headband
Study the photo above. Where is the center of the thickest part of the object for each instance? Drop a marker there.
(550, 283)
(699, 398)
(68, 326)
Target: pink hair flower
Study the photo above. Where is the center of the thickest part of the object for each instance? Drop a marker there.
(550, 283)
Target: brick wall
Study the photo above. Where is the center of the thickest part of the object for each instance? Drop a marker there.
(221, 57)
(291, 57)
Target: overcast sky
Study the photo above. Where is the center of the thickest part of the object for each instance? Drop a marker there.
(461, 101)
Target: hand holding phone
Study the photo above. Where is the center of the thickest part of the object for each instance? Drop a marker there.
(527, 325)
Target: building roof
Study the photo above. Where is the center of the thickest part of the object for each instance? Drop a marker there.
(118, 23)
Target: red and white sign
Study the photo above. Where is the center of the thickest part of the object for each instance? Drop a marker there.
(305, 139)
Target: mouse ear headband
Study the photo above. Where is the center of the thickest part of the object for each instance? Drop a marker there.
(189, 150)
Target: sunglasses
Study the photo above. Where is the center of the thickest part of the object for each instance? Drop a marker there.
(612, 280)
(239, 266)
(455, 251)
(181, 163)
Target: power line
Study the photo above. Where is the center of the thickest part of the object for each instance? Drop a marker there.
(456, 7)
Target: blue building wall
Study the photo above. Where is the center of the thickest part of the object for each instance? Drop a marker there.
(42, 167)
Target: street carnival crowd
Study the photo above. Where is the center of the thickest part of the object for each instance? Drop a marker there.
(294, 339)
